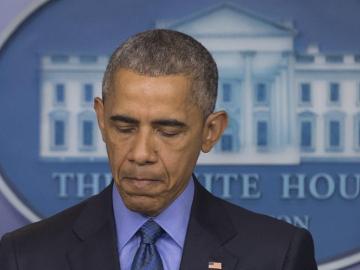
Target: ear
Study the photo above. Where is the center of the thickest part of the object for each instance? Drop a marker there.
(100, 115)
(214, 127)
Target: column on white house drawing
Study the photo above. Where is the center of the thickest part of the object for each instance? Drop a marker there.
(282, 109)
(277, 110)
(291, 101)
(272, 112)
(284, 105)
(247, 120)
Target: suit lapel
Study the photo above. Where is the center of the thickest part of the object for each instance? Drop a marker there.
(96, 234)
(209, 229)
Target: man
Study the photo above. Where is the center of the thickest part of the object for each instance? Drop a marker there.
(156, 115)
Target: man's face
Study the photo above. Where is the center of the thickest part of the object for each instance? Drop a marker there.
(153, 136)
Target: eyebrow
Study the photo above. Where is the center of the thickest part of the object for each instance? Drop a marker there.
(169, 123)
(158, 122)
(125, 119)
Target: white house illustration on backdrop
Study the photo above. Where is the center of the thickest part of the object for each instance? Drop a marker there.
(284, 106)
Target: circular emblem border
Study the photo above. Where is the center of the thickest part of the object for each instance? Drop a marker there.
(29, 214)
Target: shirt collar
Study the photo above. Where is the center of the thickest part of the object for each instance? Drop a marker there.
(174, 219)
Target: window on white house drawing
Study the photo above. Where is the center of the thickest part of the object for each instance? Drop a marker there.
(305, 94)
(227, 92)
(88, 93)
(58, 130)
(261, 94)
(59, 94)
(334, 93)
(307, 131)
(87, 131)
(334, 131)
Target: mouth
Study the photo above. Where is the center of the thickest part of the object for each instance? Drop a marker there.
(141, 182)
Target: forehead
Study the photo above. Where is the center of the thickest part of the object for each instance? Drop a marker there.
(124, 79)
(136, 92)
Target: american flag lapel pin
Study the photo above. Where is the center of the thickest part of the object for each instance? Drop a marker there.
(215, 265)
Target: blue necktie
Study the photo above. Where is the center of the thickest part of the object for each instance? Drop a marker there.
(147, 257)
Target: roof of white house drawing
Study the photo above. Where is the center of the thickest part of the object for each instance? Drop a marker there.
(234, 21)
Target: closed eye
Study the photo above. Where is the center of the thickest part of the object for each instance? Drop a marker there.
(125, 129)
(170, 132)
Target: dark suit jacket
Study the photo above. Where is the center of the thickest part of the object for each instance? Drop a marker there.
(84, 238)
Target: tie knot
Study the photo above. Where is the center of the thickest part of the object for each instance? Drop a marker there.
(150, 232)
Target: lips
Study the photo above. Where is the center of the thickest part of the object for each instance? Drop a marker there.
(141, 182)
(140, 178)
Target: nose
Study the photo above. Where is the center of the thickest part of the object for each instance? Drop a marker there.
(143, 149)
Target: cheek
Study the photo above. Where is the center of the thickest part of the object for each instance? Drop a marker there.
(116, 149)
(179, 158)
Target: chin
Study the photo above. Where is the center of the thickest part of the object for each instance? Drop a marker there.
(144, 205)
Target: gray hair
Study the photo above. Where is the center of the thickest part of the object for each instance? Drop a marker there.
(166, 52)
